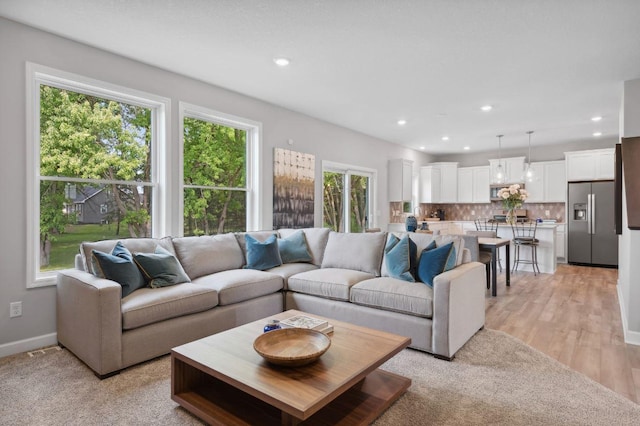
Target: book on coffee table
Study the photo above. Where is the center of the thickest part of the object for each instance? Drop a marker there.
(304, 321)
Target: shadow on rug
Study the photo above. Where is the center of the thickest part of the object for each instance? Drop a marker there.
(495, 379)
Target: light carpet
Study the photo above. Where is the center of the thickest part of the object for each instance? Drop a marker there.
(495, 379)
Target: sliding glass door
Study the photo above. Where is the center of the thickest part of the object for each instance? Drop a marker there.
(347, 197)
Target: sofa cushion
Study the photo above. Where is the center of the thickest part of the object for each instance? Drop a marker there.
(118, 266)
(394, 295)
(458, 244)
(151, 305)
(238, 285)
(262, 255)
(316, 241)
(360, 252)
(436, 261)
(397, 258)
(142, 245)
(287, 270)
(161, 268)
(330, 283)
(257, 235)
(208, 254)
(294, 248)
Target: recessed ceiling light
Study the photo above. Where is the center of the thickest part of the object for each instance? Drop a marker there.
(402, 122)
(596, 118)
(281, 62)
(596, 134)
(486, 108)
(445, 138)
(466, 148)
(422, 147)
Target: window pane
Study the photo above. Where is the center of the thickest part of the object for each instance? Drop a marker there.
(75, 212)
(91, 138)
(359, 204)
(88, 137)
(214, 155)
(333, 197)
(208, 211)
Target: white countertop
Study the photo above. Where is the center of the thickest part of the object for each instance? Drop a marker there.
(540, 225)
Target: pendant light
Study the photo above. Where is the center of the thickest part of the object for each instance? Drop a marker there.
(529, 174)
(499, 173)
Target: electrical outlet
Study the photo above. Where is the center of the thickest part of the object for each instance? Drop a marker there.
(473, 212)
(15, 309)
(547, 213)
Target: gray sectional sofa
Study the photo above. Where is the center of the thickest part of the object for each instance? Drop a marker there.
(345, 279)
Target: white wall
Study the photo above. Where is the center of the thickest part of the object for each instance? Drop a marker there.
(629, 245)
(19, 44)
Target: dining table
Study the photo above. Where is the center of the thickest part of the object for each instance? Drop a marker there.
(493, 245)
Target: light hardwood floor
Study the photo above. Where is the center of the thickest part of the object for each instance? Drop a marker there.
(574, 317)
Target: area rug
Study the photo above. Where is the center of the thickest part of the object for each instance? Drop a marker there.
(494, 379)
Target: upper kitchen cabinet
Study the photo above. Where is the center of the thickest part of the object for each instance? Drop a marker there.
(439, 183)
(473, 184)
(596, 164)
(549, 184)
(400, 180)
(513, 168)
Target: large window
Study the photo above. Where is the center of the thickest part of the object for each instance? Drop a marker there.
(91, 168)
(100, 167)
(218, 163)
(348, 197)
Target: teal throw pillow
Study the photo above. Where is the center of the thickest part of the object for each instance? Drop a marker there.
(262, 255)
(118, 266)
(294, 248)
(398, 258)
(435, 261)
(161, 268)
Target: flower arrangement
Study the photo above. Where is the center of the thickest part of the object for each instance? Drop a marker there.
(513, 196)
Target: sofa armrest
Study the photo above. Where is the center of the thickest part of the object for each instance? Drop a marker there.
(89, 319)
(458, 307)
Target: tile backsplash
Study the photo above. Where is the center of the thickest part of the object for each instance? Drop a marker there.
(475, 211)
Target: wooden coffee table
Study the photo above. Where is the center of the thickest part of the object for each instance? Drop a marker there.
(223, 381)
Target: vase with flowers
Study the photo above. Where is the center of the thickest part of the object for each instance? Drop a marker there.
(512, 198)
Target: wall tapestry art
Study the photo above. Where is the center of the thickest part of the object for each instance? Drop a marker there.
(293, 189)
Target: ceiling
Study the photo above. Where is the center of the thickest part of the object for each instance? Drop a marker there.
(545, 65)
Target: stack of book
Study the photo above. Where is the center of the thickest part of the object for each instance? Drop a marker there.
(304, 321)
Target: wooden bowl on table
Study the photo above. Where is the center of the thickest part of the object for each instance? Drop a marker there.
(292, 347)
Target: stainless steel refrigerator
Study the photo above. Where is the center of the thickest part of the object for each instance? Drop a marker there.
(592, 234)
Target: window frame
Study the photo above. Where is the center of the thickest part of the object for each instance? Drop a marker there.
(253, 154)
(37, 75)
(348, 171)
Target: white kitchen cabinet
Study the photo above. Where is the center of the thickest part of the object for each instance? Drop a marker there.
(473, 184)
(535, 188)
(465, 185)
(549, 184)
(481, 182)
(513, 168)
(555, 182)
(439, 183)
(595, 164)
(400, 180)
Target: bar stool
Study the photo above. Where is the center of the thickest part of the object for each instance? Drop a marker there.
(524, 235)
(488, 225)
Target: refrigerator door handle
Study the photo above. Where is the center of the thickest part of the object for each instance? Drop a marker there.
(589, 213)
(593, 213)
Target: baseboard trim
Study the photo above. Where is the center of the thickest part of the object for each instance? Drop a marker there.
(30, 344)
(630, 337)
